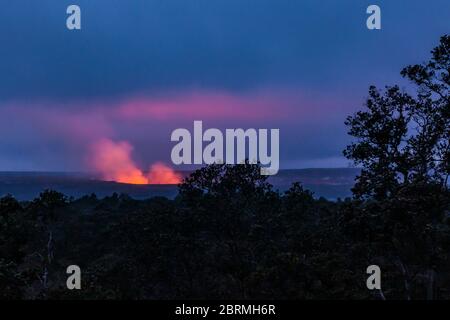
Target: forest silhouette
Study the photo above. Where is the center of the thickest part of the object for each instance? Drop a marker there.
(229, 235)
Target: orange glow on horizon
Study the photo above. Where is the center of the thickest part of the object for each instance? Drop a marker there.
(162, 174)
(114, 163)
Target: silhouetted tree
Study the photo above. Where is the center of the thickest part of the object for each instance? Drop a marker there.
(403, 138)
(403, 148)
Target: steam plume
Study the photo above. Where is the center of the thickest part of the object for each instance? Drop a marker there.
(112, 160)
(162, 174)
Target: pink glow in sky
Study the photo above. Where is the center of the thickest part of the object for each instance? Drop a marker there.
(61, 134)
(203, 105)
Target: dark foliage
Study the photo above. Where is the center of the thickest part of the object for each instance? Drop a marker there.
(229, 235)
(403, 138)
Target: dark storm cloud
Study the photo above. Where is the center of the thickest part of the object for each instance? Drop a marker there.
(154, 45)
(310, 61)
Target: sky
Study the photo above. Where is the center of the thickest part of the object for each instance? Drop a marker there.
(139, 69)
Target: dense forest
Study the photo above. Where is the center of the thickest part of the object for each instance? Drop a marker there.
(229, 235)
